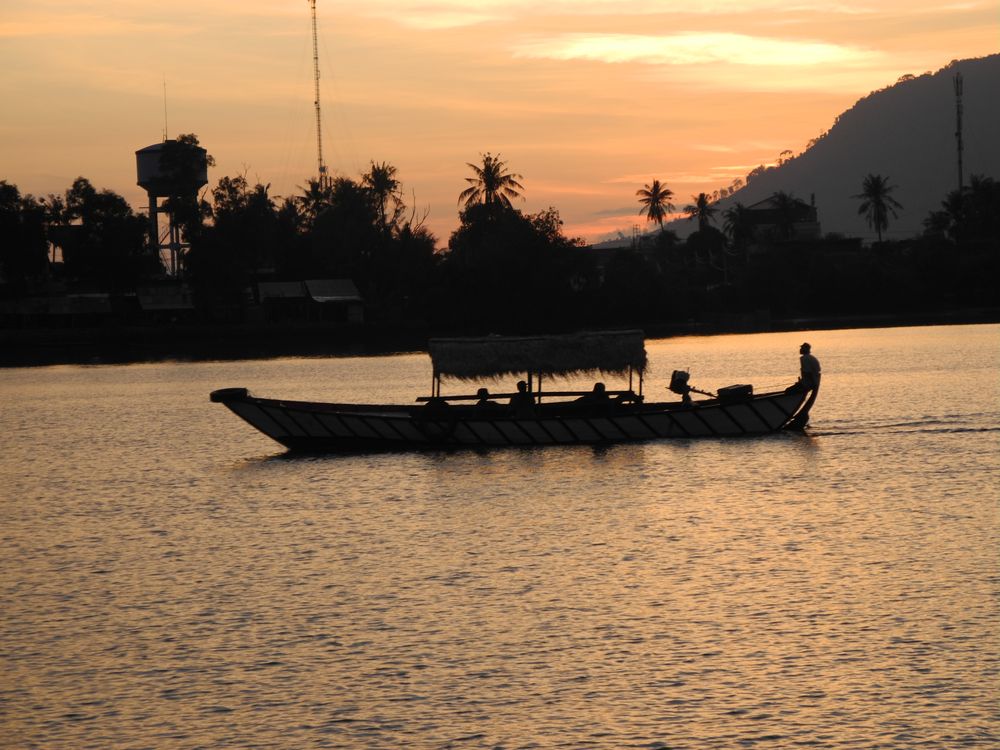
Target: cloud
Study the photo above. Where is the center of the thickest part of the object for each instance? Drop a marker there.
(693, 48)
(436, 14)
(80, 25)
(446, 19)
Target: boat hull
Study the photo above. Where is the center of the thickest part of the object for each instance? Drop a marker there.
(323, 427)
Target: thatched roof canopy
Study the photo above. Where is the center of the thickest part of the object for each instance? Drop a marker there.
(612, 352)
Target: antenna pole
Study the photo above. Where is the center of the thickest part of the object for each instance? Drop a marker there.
(165, 108)
(958, 125)
(321, 167)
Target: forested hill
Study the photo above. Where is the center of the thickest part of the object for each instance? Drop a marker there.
(905, 132)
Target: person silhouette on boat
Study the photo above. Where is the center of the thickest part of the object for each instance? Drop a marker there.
(599, 395)
(522, 403)
(810, 369)
(808, 381)
(485, 402)
(598, 401)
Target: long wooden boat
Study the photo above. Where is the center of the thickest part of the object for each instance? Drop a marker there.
(550, 417)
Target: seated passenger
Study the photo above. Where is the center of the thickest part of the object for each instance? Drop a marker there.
(597, 396)
(485, 401)
(436, 407)
(522, 403)
(628, 397)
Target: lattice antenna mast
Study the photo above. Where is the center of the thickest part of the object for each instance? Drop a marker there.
(958, 126)
(165, 108)
(321, 166)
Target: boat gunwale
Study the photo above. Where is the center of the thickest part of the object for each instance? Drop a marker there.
(569, 406)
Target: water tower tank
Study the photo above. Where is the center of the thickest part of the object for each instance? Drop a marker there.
(171, 168)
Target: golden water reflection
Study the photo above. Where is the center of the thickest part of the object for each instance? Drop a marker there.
(168, 582)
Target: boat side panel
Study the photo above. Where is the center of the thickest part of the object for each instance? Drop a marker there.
(358, 426)
(558, 431)
(610, 429)
(725, 421)
(466, 434)
(634, 428)
(311, 424)
(690, 423)
(675, 424)
(514, 432)
(791, 402)
(535, 432)
(407, 430)
(258, 418)
(384, 427)
(334, 424)
(751, 418)
(280, 415)
(770, 412)
(582, 430)
(485, 432)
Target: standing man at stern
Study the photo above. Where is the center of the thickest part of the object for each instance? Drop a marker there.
(808, 381)
(809, 377)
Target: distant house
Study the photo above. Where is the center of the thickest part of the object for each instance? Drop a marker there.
(282, 300)
(324, 299)
(795, 220)
(61, 310)
(338, 296)
(273, 291)
(170, 302)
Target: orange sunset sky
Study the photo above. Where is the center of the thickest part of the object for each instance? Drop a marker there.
(587, 99)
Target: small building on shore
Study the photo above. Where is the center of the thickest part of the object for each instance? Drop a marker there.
(335, 300)
(782, 217)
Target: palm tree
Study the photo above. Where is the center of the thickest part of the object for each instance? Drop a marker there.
(702, 210)
(493, 185)
(877, 203)
(786, 207)
(316, 197)
(381, 183)
(738, 228)
(655, 200)
(973, 212)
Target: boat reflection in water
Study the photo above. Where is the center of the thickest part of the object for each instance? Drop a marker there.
(511, 419)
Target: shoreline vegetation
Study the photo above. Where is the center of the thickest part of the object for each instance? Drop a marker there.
(349, 268)
(136, 344)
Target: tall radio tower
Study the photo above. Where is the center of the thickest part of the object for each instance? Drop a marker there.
(321, 166)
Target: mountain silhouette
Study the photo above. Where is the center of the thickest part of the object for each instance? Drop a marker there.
(905, 132)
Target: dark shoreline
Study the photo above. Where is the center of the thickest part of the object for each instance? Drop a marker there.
(37, 347)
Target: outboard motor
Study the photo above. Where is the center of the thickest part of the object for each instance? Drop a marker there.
(679, 385)
(679, 382)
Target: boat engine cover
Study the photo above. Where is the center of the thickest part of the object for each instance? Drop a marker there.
(734, 394)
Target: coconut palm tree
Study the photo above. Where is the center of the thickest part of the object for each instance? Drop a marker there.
(786, 208)
(492, 185)
(316, 197)
(702, 209)
(383, 187)
(655, 200)
(738, 228)
(877, 203)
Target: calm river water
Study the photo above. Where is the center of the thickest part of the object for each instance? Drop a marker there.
(170, 579)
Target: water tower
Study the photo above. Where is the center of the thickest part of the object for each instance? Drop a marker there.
(174, 170)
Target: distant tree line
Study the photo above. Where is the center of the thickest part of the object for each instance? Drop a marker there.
(505, 270)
